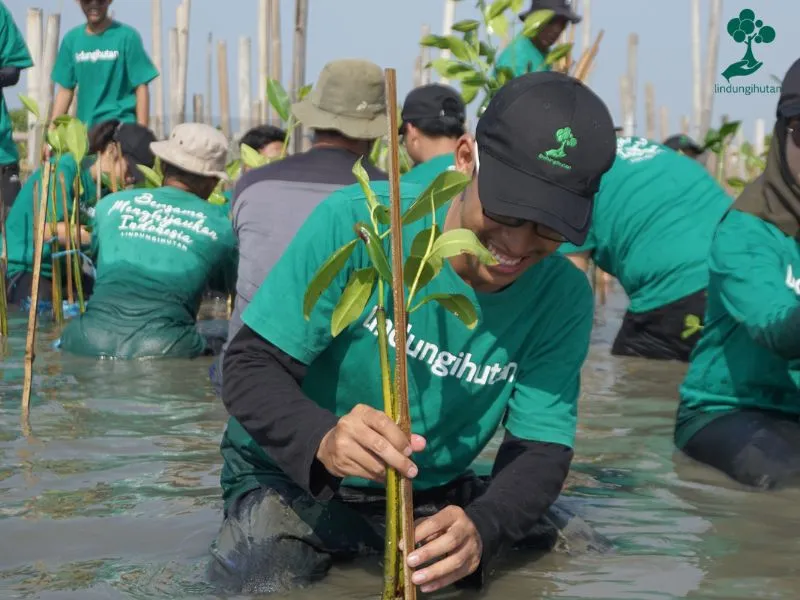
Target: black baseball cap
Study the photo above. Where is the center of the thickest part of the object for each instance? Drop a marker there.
(561, 8)
(433, 101)
(134, 141)
(544, 142)
(789, 102)
(683, 143)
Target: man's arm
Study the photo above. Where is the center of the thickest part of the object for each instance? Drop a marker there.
(141, 72)
(143, 105)
(9, 76)
(61, 104)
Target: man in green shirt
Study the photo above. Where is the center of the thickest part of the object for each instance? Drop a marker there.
(14, 57)
(685, 145)
(432, 122)
(107, 61)
(526, 55)
(307, 444)
(158, 249)
(653, 220)
(740, 400)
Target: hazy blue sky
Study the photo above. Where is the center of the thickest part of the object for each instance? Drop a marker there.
(387, 32)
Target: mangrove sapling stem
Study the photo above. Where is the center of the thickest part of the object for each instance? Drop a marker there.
(75, 234)
(55, 264)
(402, 411)
(68, 244)
(38, 243)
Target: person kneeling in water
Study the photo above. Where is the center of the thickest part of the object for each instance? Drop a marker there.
(158, 248)
(740, 400)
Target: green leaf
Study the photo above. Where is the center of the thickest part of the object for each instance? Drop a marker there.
(498, 7)
(458, 47)
(469, 92)
(535, 22)
(251, 157)
(279, 99)
(62, 120)
(325, 276)
(216, 198)
(557, 53)
(451, 69)
(234, 168)
(466, 25)
(363, 179)
(517, 5)
(55, 140)
(446, 185)
(419, 247)
(460, 241)
(304, 91)
(152, 178)
(410, 269)
(499, 26)
(435, 41)
(353, 300)
(31, 105)
(76, 140)
(375, 250)
(729, 129)
(458, 304)
(504, 75)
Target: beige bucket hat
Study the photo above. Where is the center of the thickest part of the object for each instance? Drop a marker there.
(350, 97)
(195, 147)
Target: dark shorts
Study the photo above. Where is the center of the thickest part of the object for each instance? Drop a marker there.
(666, 333)
(10, 186)
(277, 538)
(18, 290)
(214, 332)
(756, 448)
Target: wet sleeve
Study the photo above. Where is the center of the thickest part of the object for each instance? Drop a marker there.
(64, 194)
(13, 49)
(64, 69)
(757, 286)
(140, 68)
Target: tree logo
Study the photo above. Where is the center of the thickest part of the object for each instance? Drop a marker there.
(567, 140)
(745, 29)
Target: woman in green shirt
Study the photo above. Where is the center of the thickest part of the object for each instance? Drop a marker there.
(114, 149)
(740, 400)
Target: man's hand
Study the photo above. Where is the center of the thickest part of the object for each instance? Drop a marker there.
(364, 442)
(452, 549)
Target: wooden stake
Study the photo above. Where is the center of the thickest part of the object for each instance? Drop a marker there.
(158, 61)
(275, 53)
(400, 319)
(263, 58)
(713, 38)
(68, 245)
(697, 73)
(38, 241)
(183, 12)
(630, 121)
(34, 35)
(650, 111)
(664, 123)
(197, 108)
(299, 64)
(174, 77)
(224, 97)
(245, 103)
(209, 79)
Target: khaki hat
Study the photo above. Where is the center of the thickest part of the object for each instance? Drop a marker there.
(350, 97)
(196, 148)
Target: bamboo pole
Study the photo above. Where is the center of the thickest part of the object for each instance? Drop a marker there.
(447, 29)
(258, 107)
(633, 46)
(275, 53)
(224, 97)
(625, 97)
(46, 85)
(685, 125)
(650, 111)
(400, 325)
(183, 12)
(174, 76)
(38, 242)
(697, 75)
(426, 58)
(197, 108)
(34, 35)
(664, 123)
(158, 61)
(758, 142)
(299, 63)
(68, 244)
(711, 66)
(263, 58)
(584, 67)
(586, 23)
(245, 102)
(209, 79)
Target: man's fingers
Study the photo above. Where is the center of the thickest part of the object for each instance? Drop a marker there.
(418, 443)
(442, 545)
(380, 446)
(438, 523)
(446, 571)
(388, 429)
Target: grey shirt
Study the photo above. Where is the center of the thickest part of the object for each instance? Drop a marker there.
(271, 203)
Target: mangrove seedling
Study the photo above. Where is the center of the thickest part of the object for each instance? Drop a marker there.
(718, 141)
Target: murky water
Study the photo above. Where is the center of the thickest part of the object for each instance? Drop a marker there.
(114, 493)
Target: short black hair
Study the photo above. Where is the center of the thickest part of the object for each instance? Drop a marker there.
(191, 180)
(263, 135)
(447, 126)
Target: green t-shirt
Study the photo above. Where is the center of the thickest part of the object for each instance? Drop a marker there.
(522, 57)
(13, 53)
(520, 366)
(424, 173)
(747, 356)
(652, 223)
(107, 68)
(19, 226)
(157, 250)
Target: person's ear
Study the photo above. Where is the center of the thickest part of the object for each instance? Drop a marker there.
(465, 154)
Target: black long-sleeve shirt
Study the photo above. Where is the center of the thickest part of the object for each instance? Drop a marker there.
(262, 390)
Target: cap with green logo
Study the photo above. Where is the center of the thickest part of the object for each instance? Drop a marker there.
(544, 142)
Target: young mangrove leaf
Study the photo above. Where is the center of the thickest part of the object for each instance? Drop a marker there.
(62, 120)
(441, 190)
(422, 241)
(460, 241)
(375, 250)
(435, 41)
(252, 158)
(497, 8)
(353, 300)
(76, 140)
(234, 168)
(279, 99)
(362, 177)
(535, 22)
(458, 304)
(451, 69)
(304, 91)
(31, 105)
(216, 198)
(152, 179)
(499, 26)
(517, 5)
(55, 141)
(325, 276)
(414, 265)
(466, 25)
(557, 53)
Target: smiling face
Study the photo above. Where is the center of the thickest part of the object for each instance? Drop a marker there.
(793, 148)
(516, 245)
(96, 11)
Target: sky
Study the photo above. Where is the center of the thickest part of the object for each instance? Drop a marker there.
(387, 32)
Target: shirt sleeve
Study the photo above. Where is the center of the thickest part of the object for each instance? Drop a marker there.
(64, 169)
(64, 69)
(544, 404)
(140, 68)
(13, 49)
(276, 311)
(755, 283)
